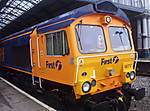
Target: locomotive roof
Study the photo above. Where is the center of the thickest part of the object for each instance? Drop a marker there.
(67, 18)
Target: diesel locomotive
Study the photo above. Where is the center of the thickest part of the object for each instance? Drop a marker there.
(87, 54)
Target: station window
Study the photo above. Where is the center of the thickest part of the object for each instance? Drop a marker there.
(56, 43)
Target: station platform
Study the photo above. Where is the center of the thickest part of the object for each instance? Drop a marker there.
(13, 100)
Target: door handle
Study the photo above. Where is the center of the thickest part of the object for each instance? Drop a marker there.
(31, 52)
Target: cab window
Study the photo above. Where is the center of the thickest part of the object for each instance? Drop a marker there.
(119, 37)
(56, 43)
(90, 38)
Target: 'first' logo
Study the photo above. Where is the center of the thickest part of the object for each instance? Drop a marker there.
(114, 60)
(54, 65)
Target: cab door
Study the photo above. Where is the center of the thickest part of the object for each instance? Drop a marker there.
(35, 53)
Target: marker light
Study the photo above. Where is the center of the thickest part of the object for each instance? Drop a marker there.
(84, 73)
(128, 75)
(86, 87)
(93, 83)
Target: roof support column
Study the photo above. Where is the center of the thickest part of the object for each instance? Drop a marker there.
(148, 26)
(145, 33)
(147, 3)
(139, 33)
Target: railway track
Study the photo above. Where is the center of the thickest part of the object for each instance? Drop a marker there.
(144, 104)
(144, 74)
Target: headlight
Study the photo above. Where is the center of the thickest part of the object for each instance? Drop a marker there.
(86, 87)
(132, 75)
(108, 19)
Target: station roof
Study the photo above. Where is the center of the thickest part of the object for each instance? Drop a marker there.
(16, 15)
(66, 19)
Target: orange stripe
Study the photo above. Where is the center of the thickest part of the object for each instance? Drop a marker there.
(16, 36)
(16, 69)
(57, 23)
(39, 28)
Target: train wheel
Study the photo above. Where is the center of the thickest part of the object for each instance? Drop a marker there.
(120, 105)
(127, 100)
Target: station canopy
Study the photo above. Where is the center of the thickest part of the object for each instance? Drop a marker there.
(16, 15)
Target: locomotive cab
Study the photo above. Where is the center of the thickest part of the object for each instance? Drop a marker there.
(105, 53)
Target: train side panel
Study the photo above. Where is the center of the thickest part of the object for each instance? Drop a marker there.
(58, 68)
(16, 53)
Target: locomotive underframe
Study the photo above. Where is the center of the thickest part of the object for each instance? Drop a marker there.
(112, 100)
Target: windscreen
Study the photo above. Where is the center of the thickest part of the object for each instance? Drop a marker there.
(119, 37)
(90, 38)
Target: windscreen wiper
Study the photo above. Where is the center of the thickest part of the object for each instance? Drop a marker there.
(120, 33)
(79, 39)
